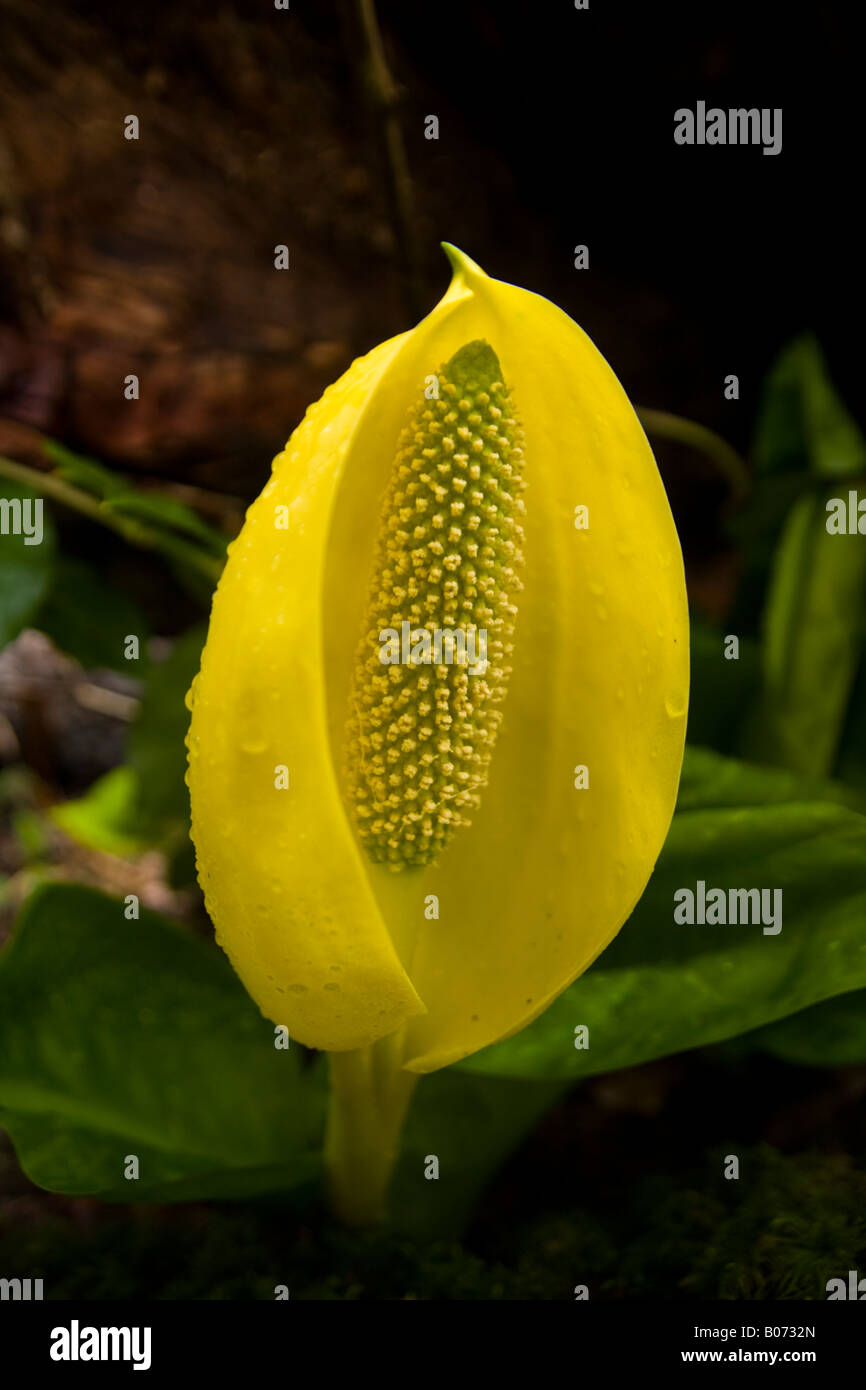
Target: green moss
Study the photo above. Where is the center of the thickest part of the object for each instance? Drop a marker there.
(779, 1232)
(800, 1222)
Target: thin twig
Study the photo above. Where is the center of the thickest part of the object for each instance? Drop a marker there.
(227, 508)
(135, 532)
(706, 441)
(385, 97)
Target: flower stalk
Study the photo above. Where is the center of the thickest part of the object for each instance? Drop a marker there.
(368, 1102)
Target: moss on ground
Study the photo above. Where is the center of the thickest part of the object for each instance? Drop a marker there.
(782, 1230)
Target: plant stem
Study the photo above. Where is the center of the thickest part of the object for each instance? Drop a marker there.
(133, 531)
(369, 1098)
(385, 98)
(706, 441)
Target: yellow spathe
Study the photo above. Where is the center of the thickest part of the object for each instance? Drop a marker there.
(342, 949)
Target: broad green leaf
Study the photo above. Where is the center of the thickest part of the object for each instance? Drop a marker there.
(781, 457)
(26, 563)
(710, 782)
(107, 817)
(662, 987)
(832, 1034)
(813, 625)
(802, 421)
(804, 438)
(132, 1037)
(813, 630)
(121, 1038)
(68, 616)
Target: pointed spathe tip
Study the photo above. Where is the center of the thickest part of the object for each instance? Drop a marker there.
(463, 266)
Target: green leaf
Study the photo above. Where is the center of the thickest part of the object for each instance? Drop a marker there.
(67, 616)
(802, 421)
(814, 627)
(832, 1034)
(25, 567)
(780, 454)
(28, 827)
(107, 817)
(131, 1037)
(169, 514)
(710, 782)
(84, 473)
(804, 437)
(121, 1038)
(662, 987)
(170, 524)
(157, 752)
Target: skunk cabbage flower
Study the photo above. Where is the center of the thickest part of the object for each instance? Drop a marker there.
(437, 732)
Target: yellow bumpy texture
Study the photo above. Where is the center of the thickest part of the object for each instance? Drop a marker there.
(421, 734)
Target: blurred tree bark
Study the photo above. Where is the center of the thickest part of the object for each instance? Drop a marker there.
(155, 257)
